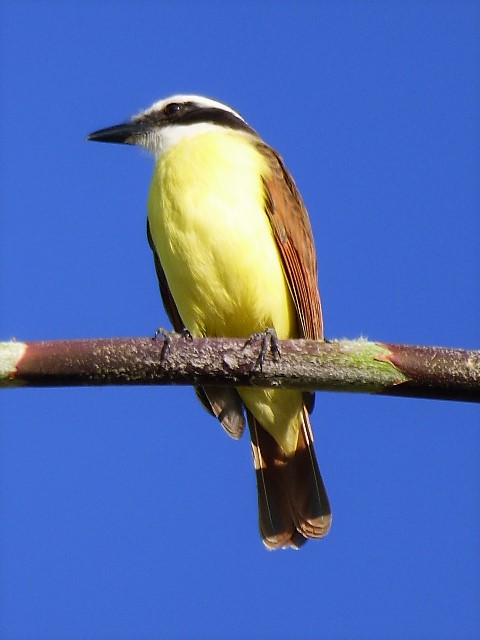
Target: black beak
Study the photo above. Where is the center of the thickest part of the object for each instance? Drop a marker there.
(127, 132)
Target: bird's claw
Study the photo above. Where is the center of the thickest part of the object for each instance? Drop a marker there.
(168, 338)
(268, 337)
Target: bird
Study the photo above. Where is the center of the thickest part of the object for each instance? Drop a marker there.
(234, 256)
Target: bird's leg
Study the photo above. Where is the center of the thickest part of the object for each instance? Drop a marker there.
(167, 338)
(269, 336)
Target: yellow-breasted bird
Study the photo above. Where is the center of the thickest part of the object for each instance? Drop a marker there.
(234, 255)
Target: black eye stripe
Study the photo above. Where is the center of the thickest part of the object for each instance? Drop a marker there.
(192, 113)
(215, 116)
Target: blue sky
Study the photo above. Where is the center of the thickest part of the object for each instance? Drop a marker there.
(128, 513)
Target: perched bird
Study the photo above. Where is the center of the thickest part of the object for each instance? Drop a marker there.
(234, 255)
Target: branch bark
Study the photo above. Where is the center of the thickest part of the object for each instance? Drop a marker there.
(338, 365)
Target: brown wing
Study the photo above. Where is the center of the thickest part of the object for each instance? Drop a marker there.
(222, 402)
(293, 234)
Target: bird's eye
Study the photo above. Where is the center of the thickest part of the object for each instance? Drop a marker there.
(172, 108)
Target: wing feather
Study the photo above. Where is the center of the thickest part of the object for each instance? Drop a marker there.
(293, 234)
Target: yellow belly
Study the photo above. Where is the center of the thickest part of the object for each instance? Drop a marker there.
(216, 246)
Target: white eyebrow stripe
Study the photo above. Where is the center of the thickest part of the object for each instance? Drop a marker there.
(181, 98)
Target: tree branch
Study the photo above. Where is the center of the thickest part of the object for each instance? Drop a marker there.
(339, 365)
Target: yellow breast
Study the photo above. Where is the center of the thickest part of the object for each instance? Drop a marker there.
(214, 240)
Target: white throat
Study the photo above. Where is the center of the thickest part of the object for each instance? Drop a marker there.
(158, 140)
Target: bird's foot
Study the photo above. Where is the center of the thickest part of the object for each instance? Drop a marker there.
(168, 338)
(268, 338)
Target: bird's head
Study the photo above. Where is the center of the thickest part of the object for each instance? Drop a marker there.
(171, 119)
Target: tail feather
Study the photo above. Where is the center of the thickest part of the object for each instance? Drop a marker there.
(292, 501)
(275, 521)
(309, 503)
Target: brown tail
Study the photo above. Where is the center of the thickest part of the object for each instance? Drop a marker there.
(292, 502)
